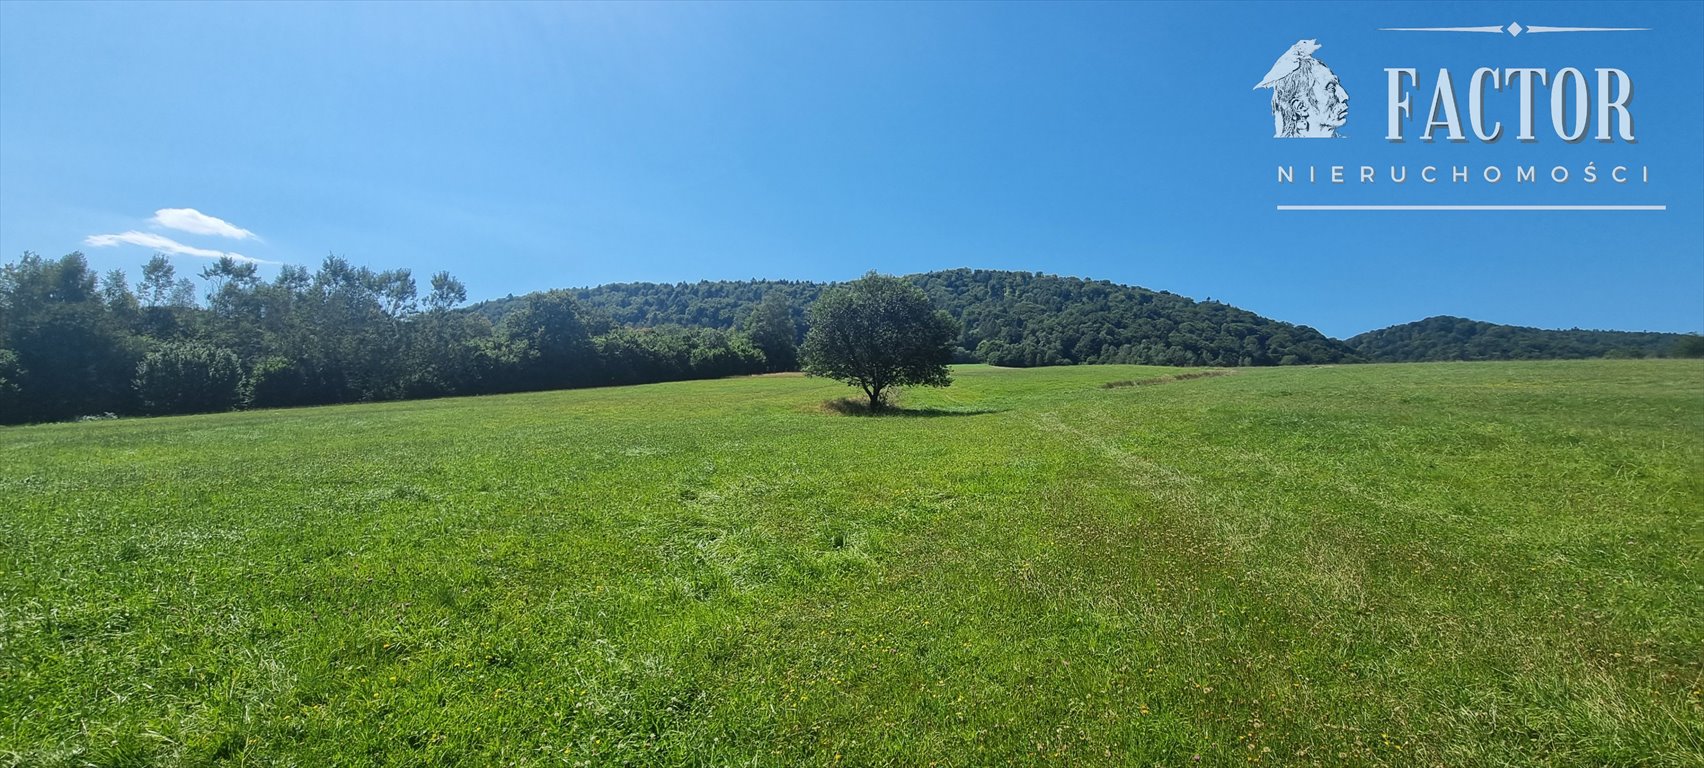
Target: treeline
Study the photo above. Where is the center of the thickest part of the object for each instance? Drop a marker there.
(1456, 338)
(73, 343)
(1009, 318)
(1028, 319)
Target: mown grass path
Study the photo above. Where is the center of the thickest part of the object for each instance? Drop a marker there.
(1428, 564)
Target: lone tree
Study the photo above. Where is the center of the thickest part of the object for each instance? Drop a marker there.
(879, 332)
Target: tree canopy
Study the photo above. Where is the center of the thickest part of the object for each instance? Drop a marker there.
(76, 344)
(774, 330)
(1008, 318)
(1458, 338)
(1028, 319)
(877, 333)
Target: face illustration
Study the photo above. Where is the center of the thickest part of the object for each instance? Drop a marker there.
(1308, 101)
(1329, 101)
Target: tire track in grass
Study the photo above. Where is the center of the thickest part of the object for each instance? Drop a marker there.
(1246, 672)
(1385, 621)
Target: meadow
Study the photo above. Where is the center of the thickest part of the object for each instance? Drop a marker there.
(1445, 564)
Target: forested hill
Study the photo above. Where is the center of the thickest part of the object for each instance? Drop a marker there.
(1456, 338)
(1009, 318)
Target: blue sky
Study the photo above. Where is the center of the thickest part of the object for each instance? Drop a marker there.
(531, 146)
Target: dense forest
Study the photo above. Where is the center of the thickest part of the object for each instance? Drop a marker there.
(75, 344)
(1456, 338)
(1009, 318)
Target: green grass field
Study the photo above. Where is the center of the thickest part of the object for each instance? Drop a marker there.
(1426, 564)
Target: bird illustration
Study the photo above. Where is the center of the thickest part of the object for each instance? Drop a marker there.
(1289, 62)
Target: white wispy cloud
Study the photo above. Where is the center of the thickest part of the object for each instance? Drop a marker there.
(198, 223)
(164, 244)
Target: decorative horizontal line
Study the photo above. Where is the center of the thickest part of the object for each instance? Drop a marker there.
(1514, 29)
(1542, 30)
(1472, 207)
(1492, 30)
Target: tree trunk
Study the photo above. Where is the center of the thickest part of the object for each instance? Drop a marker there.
(875, 397)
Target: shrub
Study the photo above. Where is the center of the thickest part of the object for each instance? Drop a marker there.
(275, 383)
(188, 378)
(11, 400)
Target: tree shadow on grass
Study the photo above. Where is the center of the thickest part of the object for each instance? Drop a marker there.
(847, 406)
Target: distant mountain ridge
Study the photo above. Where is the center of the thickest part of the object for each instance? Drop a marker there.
(1009, 318)
(1457, 338)
(1028, 319)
